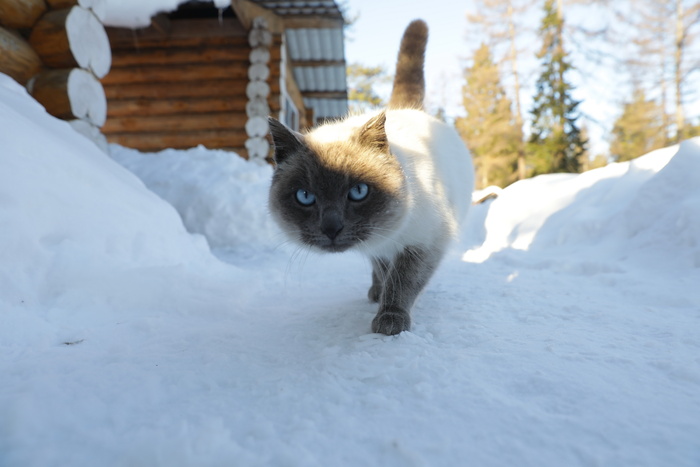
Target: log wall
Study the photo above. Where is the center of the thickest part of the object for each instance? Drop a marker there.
(179, 84)
(57, 50)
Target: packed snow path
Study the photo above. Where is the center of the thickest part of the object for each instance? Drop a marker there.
(562, 329)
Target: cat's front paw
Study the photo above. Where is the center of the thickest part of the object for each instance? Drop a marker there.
(391, 321)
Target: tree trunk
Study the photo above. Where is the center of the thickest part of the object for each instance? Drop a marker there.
(678, 71)
(72, 37)
(19, 14)
(19, 60)
(71, 94)
(522, 169)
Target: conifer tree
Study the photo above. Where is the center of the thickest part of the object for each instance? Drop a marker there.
(490, 128)
(639, 129)
(502, 21)
(555, 143)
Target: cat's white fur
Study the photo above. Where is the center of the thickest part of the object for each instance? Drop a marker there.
(438, 171)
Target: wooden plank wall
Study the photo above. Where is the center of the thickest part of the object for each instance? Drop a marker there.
(179, 84)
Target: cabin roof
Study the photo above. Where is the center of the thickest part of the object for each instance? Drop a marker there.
(323, 8)
(316, 52)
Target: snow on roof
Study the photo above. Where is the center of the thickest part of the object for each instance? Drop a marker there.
(138, 13)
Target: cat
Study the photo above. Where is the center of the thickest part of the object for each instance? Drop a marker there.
(393, 184)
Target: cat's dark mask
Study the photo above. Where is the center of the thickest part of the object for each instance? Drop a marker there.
(335, 196)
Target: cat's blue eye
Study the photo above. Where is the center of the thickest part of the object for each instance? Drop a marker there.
(358, 192)
(305, 197)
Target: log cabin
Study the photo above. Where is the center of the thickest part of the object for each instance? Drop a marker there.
(196, 75)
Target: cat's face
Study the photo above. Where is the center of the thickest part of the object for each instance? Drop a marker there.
(336, 195)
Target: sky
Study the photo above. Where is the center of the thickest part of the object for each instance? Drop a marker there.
(374, 40)
(374, 37)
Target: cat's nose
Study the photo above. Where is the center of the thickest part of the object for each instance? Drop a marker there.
(331, 224)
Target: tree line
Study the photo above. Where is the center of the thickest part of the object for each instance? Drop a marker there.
(643, 53)
(651, 43)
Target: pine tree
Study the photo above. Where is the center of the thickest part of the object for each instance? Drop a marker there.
(490, 128)
(502, 21)
(639, 129)
(556, 144)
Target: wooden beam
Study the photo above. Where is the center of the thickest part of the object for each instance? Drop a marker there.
(157, 141)
(185, 72)
(176, 123)
(175, 106)
(191, 32)
(182, 55)
(221, 88)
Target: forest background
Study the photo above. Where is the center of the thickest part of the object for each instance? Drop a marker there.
(527, 69)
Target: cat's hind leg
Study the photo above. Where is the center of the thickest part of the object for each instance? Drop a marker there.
(380, 268)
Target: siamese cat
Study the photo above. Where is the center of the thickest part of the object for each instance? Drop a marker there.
(393, 185)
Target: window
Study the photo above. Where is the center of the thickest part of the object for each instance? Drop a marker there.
(290, 113)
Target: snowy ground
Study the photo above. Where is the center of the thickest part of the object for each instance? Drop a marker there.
(563, 328)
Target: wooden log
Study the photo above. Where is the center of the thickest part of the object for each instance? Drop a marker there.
(258, 148)
(259, 55)
(91, 132)
(257, 127)
(258, 71)
(98, 7)
(179, 140)
(257, 89)
(257, 107)
(222, 88)
(173, 106)
(19, 60)
(129, 39)
(21, 14)
(175, 123)
(193, 32)
(72, 37)
(169, 74)
(179, 56)
(71, 94)
(260, 37)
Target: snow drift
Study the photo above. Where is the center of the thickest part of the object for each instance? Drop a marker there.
(561, 330)
(646, 210)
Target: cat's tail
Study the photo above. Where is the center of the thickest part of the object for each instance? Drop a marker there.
(409, 82)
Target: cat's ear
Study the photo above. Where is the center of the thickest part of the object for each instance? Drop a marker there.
(286, 141)
(373, 134)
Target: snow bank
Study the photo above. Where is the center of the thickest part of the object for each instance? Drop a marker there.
(124, 342)
(646, 210)
(71, 217)
(217, 193)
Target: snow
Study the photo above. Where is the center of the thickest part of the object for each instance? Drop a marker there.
(562, 329)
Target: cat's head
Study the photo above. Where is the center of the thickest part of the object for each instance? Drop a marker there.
(336, 187)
